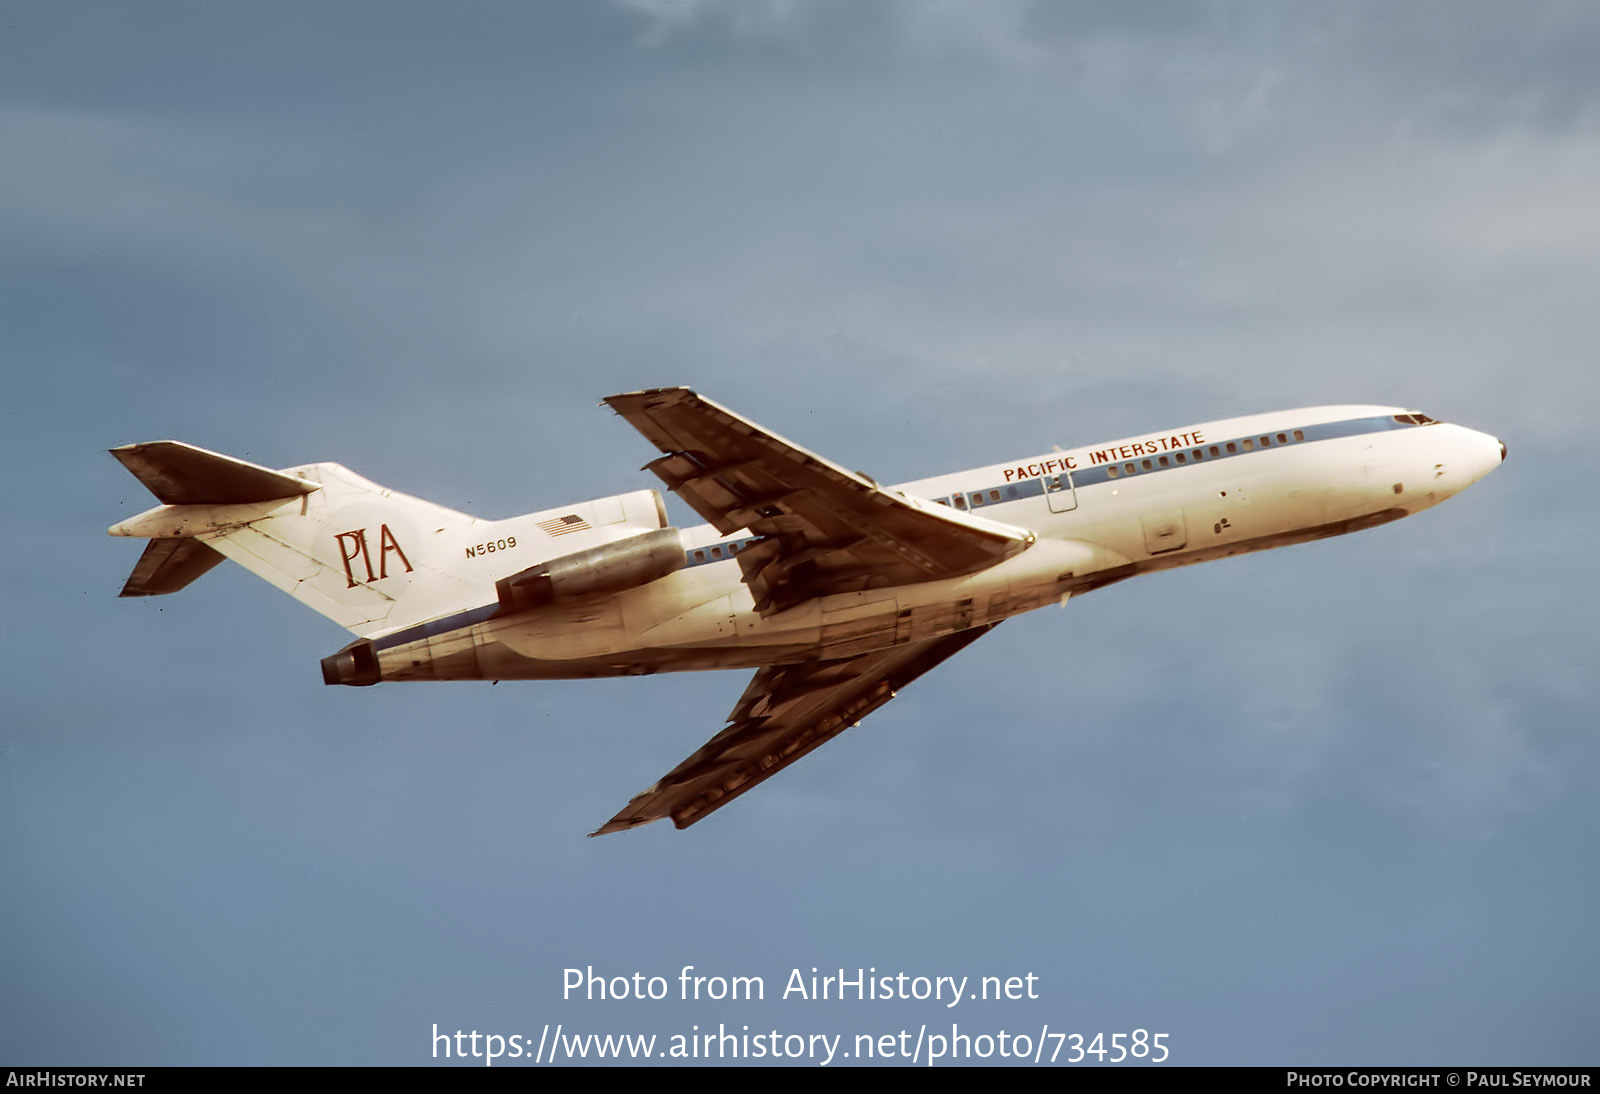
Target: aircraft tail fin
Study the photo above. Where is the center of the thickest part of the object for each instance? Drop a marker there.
(368, 558)
(371, 559)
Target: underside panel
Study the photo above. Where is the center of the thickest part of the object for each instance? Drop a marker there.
(181, 474)
(168, 565)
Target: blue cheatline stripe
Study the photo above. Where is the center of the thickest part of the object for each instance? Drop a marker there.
(1100, 473)
(730, 548)
(1009, 492)
(442, 625)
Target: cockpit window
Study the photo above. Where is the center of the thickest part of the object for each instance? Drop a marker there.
(1414, 418)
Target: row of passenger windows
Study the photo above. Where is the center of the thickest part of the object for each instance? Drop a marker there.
(979, 497)
(1195, 455)
(719, 552)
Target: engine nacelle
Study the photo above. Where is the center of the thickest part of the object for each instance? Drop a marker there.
(609, 568)
(355, 665)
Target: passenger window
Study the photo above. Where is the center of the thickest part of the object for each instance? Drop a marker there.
(1145, 464)
(1199, 454)
(994, 495)
(1282, 439)
(1266, 442)
(961, 502)
(716, 552)
(1215, 452)
(699, 556)
(1232, 448)
(1128, 467)
(1164, 462)
(1178, 456)
(1113, 471)
(1299, 435)
(1011, 492)
(977, 499)
(1248, 444)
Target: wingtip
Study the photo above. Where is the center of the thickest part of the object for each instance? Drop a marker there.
(623, 823)
(645, 393)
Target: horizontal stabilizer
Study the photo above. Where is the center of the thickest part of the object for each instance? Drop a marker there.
(168, 565)
(181, 474)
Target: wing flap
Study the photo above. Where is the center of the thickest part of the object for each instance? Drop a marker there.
(785, 713)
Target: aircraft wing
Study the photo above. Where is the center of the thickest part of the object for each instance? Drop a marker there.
(787, 711)
(822, 529)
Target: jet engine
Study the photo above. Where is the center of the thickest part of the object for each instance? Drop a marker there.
(356, 665)
(609, 568)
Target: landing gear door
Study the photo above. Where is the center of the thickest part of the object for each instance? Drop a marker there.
(1059, 492)
(1164, 530)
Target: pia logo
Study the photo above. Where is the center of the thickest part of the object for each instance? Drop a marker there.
(353, 548)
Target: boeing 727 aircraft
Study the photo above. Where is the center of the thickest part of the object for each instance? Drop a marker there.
(837, 591)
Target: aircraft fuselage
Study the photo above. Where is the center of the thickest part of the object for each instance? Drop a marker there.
(1098, 514)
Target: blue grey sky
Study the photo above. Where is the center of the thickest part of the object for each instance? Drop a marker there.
(1331, 804)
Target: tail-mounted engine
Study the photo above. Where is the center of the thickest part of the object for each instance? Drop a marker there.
(609, 568)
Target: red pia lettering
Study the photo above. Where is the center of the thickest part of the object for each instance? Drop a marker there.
(354, 544)
(387, 543)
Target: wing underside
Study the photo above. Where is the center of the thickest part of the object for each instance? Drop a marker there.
(181, 474)
(786, 711)
(168, 565)
(822, 529)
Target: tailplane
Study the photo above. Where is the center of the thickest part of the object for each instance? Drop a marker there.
(181, 474)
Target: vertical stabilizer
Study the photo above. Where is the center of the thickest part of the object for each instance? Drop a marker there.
(368, 558)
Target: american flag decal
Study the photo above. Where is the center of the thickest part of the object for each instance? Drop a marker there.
(560, 526)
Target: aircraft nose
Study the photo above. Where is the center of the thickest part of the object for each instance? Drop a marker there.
(1483, 453)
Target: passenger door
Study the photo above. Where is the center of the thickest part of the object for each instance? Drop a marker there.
(1059, 492)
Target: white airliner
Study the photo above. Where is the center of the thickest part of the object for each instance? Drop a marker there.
(836, 590)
